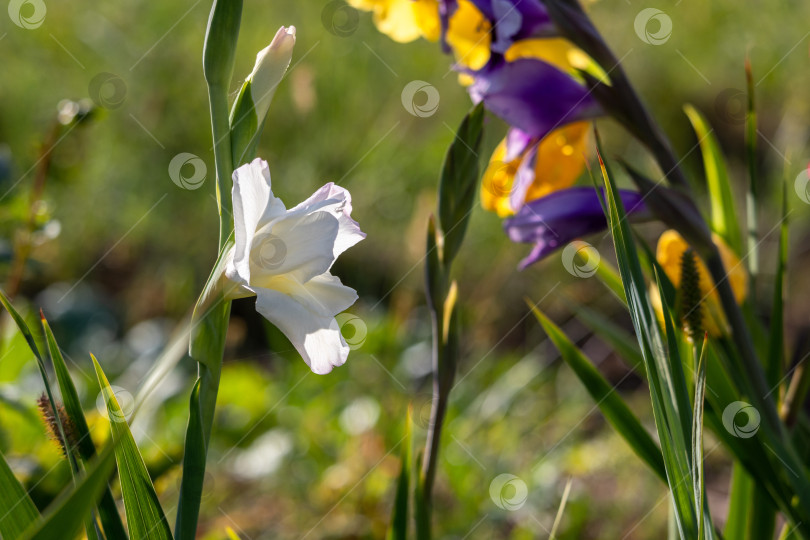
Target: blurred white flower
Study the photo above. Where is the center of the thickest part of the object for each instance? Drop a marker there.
(284, 256)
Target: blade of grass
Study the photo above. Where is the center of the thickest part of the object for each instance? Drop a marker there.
(17, 510)
(145, 518)
(399, 515)
(558, 518)
(751, 198)
(664, 394)
(724, 220)
(29, 338)
(774, 361)
(107, 510)
(698, 482)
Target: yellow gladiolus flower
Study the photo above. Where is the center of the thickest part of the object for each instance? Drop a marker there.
(543, 167)
(669, 253)
(404, 20)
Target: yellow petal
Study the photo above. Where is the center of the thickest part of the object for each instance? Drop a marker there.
(554, 51)
(560, 160)
(397, 20)
(468, 34)
(496, 184)
(426, 15)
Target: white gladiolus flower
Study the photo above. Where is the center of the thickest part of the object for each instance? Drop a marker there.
(283, 257)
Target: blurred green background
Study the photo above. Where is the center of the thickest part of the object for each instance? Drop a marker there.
(119, 253)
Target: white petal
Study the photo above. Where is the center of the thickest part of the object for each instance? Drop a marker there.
(232, 284)
(323, 295)
(296, 244)
(253, 205)
(337, 201)
(316, 338)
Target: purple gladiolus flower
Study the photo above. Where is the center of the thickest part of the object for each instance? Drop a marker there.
(532, 95)
(553, 221)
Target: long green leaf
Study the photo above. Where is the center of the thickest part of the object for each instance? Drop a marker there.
(188, 506)
(698, 483)
(459, 181)
(29, 338)
(65, 516)
(668, 416)
(607, 399)
(17, 510)
(724, 217)
(774, 361)
(399, 514)
(145, 518)
(107, 510)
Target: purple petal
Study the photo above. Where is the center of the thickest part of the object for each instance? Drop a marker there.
(555, 220)
(531, 95)
(517, 142)
(524, 177)
(513, 20)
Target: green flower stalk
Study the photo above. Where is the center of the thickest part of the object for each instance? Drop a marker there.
(218, 58)
(211, 315)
